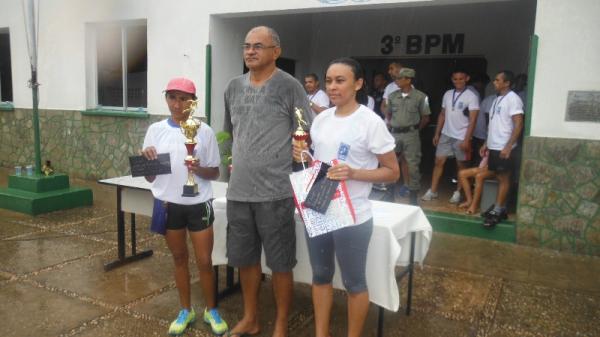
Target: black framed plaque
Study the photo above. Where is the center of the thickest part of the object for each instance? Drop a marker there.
(140, 166)
(321, 192)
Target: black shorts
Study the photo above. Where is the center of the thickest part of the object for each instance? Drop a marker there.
(497, 164)
(193, 217)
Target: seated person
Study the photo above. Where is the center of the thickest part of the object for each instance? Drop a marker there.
(480, 173)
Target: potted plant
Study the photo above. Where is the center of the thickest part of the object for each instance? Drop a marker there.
(225, 141)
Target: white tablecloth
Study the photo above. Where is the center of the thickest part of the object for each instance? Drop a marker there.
(389, 247)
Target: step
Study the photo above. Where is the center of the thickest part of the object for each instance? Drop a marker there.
(471, 226)
(39, 183)
(37, 203)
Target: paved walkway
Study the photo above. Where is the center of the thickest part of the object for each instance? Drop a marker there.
(52, 283)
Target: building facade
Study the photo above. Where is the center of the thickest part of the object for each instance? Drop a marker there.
(103, 67)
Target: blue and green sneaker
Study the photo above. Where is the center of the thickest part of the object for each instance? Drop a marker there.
(217, 324)
(185, 318)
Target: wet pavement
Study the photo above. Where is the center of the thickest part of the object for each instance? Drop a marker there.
(52, 283)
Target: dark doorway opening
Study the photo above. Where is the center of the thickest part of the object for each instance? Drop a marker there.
(433, 78)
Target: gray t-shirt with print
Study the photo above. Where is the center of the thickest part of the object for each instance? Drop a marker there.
(261, 121)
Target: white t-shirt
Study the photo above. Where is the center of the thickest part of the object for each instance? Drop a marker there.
(361, 136)
(454, 103)
(501, 124)
(389, 89)
(319, 98)
(475, 91)
(168, 138)
(371, 103)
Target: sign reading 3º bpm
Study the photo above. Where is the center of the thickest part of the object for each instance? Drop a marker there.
(424, 44)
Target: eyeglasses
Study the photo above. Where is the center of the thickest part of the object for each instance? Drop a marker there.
(257, 46)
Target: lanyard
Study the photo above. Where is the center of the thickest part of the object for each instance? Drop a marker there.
(454, 100)
(497, 103)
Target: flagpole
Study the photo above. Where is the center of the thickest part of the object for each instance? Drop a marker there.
(36, 123)
(30, 20)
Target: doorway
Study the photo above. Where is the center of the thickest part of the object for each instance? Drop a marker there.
(479, 39)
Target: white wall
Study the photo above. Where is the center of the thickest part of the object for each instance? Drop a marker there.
(177, 36)
(568, 59)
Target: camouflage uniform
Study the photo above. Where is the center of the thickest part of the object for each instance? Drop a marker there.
(406, 114)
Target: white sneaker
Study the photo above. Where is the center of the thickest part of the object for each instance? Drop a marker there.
(428, 196)
(455, 199)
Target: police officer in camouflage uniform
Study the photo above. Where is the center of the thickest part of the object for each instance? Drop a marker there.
(408, 113)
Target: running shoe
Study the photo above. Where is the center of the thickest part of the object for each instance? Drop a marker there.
(217, 324)
(429, 195)
(185, 318)
(455, 199)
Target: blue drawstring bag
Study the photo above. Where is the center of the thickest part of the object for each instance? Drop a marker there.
(158, 224)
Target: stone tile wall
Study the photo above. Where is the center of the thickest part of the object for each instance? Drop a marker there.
(559, 189)
(559, 195)
(88, 147)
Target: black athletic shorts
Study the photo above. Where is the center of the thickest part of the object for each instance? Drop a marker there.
(193, 217)
(497, 164)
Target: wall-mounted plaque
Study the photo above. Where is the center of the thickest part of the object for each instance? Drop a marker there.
(583, 106)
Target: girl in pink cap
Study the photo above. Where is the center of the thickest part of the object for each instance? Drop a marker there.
(185, 214)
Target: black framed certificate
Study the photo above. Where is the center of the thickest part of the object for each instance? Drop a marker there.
(140, 166)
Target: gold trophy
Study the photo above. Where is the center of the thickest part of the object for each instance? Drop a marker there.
(189, 128)
(300, 136)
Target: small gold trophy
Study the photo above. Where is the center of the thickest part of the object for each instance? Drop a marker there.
(189, 128)
(47, 169)
(300, 136)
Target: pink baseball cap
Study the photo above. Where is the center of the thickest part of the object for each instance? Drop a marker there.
(182, 84)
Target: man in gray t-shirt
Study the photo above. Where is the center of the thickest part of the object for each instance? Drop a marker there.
(259, 112)
(262, 120)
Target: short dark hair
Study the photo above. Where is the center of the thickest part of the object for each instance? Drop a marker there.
(313, 75)
(507, 75)
(459, 70)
